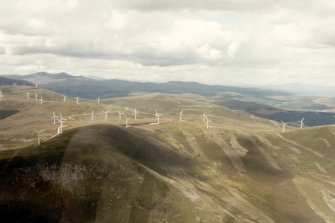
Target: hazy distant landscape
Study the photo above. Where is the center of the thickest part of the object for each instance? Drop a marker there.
(270, 104)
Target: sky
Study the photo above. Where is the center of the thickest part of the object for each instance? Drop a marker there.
(229, 42)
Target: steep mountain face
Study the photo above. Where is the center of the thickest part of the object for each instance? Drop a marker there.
(179, 174)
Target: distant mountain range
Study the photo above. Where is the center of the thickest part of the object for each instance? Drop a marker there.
(10, 81)
(259, 102)
(92, 88)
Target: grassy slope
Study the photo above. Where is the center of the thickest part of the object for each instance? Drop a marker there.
(174, 172)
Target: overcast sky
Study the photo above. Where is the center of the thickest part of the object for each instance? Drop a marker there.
(238, 42)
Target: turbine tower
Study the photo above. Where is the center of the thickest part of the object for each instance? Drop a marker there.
(205, 120)
(120, 114)
(77, 100)
(126, 119)
(157, 115)
(106, 114)
(61, 120)
(302, 124)
(36, 86)
(54, 117)
(135, 114)
(39, 136)
(284, 126)
(181, 115)
(98, 99)
(64, 98)
(41, 100)
(28, 95)
(92, 116)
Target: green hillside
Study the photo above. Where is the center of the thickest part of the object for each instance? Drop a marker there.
(241, 169)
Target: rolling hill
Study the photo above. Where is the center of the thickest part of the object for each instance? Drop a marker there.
(11, 81)
(241, 169)
(272, 113)
(92, 88)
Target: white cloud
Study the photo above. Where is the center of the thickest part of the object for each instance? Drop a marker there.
(216, 41)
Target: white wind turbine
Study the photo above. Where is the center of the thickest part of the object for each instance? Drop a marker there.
(92, 116)
(106, 114)
(64, 98)
(77, 100)
(98, 99)
(41, 100)
(120, 114)
(157, 115)
(28, 95)
(181, 114)
(39, 136)
(284, 126)
(61, 120)
(302, 124)
(205, 120)
(36, 85)
(135, 114)
(70, 118)
(54, 117)
(126, 119)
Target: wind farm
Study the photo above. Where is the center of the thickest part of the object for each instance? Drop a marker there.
(197, 139)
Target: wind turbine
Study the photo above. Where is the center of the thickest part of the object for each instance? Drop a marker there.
(39, 136)
(181, 115)
(54, 117)
(204, 117)
(126, 118)
(28, 95)
(70, 118)
(157, 115)
(36, 97)
(92, 116)
(64, 98)
(77, 100)
(98, 99)
(106, 114)
(120, 114)
(41, 100)
(61, 120)
(301, 123)
(284, 125)
(205, 120)
(135, 114)
(36, 85)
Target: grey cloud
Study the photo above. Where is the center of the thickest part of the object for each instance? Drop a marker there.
(239, 37)
(264, 6)
(144, 56)
(2, 50)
